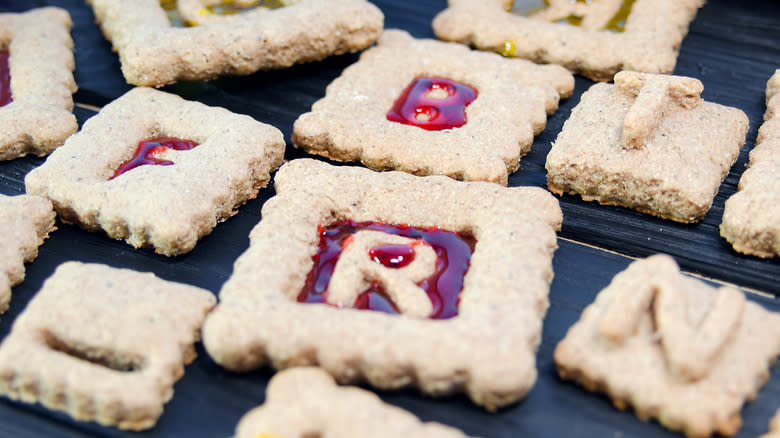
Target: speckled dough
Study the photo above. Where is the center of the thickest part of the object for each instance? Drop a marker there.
(41, 65)
(197, 12)
(650, 42)
(167, 207)
(650, 143)
(103, 344)
(25, 221)
(673, 348)
(153, 53)
(774, 427)
(751, 217)
(350, 122)
(293, 408)
(487, 350)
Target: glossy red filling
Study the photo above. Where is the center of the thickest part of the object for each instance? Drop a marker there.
(145, 153)
(453, 254)
(5, 80)
(433, 104)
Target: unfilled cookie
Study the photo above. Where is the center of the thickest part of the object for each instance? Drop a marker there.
(673, 348)
(103, 344)
(36, 82)
(482, 322)
(384, 112)
(751, 217)
(293, 408)
(596, 39)
(154, 53)
(104, 178)
(25, 221)
(648, 142)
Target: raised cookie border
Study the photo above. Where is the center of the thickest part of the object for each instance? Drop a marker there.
(232, 162)
(47, 363)
(647, 44)
(153, 53)
(350, 122)
(488, 350)
(297, 394)
(40, 117)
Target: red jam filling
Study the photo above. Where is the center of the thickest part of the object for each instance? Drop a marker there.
(5, 80)
(433, 104)
(453, 254)
(145, 153)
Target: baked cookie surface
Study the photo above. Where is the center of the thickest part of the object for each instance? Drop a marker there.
(673, 348)
(751, 217)
(293, 408)
(648, 142)
(154, 53)
(25, 221)
(38, 50)
(103, 344)
(595, 39)
(487, 349)
(167, 206)
(508, 106)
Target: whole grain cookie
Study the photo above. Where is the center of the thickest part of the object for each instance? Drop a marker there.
(484, 298)
(751, 218)
(36, 82)
(648, 142)
(293, 408)
(774, 427)
(25, 221)
(157, 170)
(673, 348)
(103, 344)
(154, 53)
(433, 108)
(596, 39)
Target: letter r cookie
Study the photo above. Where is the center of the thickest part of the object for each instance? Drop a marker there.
(457, 273)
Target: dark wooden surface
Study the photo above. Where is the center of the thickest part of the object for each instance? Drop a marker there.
(733, 47)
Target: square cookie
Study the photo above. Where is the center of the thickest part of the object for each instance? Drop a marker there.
(157, 170)
(294, 408)
(648, 142)
(153, 52)
(433, 108)
(465, 267)
(596, 39)
(36, 82)
(103, 344)
(673, 348)
(25, 221)
(751, 217)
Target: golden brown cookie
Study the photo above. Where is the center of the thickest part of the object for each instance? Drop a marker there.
(103, 344)
(169, 206)
(293, 408)
(383, 111)
(596, 39)
(25, 221)
(36, 51)
(154, 53)
(673, 348)
(484, 301)
(648, 142)
(751, 217)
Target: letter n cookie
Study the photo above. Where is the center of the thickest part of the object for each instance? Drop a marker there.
(103, 344)
(157, 170)
(433, 108)
(36, 82)
(673, 348)
(393, 279)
